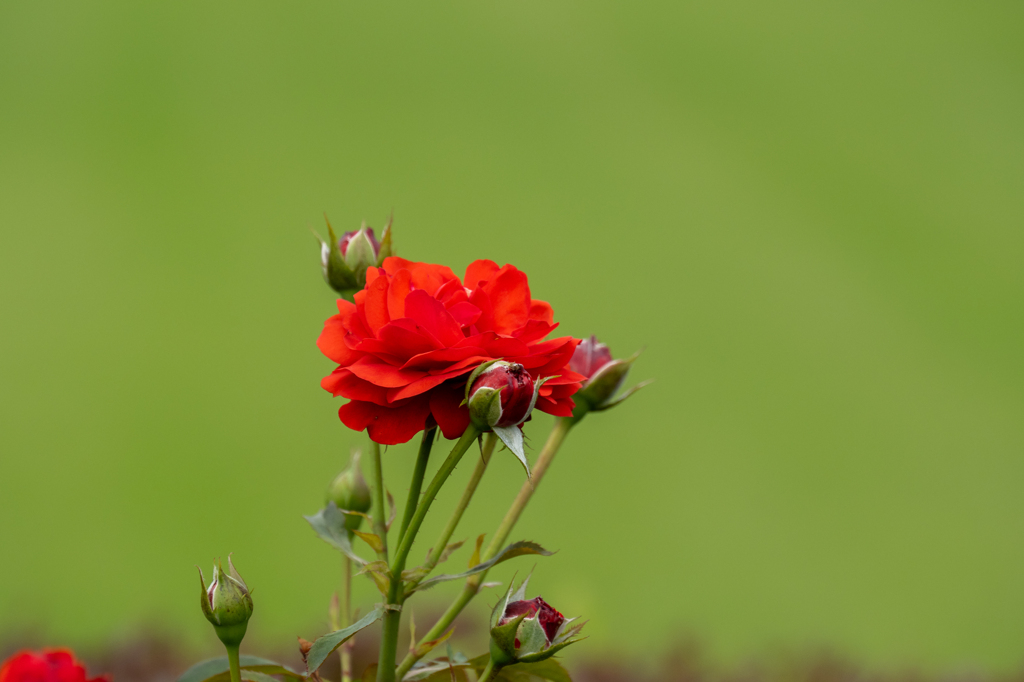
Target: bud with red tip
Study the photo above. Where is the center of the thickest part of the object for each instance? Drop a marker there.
(501, 396)
(226, 603)
(528, 630)
(344, 261)
(605, 375)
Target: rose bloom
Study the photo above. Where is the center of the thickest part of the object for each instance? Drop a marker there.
(406, 347)
(50, 665)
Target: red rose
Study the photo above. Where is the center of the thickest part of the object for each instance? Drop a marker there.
(50, 665)
(406, 347)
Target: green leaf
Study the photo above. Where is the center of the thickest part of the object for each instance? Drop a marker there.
(217, 667)
(550, 670)
(512, 437)
(325, 646)
(474, 559)
(448, 551)
(394, 511)
(426, 647)
(516, 549)
(254, 676)
(329, 525)
(439, 669)
(372, 539)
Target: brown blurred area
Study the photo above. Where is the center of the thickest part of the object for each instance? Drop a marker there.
(154, 657)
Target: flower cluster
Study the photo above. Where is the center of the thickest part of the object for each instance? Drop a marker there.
(407, 344)
(418, 348)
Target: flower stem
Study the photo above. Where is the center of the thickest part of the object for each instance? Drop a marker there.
(346, 618)
(447, 467)
(417, 480)
(393, 614)
(478, 473)
(490, 672)
(236, 672)
(472, 586)
(379, 519)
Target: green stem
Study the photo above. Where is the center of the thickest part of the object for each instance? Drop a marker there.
(460, 509)
(236, 672)
(428, 497)
(417, 480)
(379, 519)
(472, 586)
(393, 616)
(346, 619)
(490, 672)
(547, 455)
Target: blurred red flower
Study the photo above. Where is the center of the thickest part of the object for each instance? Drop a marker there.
(49, 665)
(406, 347)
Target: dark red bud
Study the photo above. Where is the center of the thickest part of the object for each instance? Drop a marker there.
(347, 237)
(516, 387)
(550, 619)
(590, 356)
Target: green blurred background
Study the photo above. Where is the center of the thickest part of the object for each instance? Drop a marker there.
(809, 213)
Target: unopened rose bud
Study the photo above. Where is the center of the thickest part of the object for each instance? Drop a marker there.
(344, 261)
(226, 603)
(605, 376)
(350, 492)
(528, 630)
(501, 395)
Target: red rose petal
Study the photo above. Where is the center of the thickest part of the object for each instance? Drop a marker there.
(375, 308)
(445, 408)
(332, 342)
(386, 425)
(398, 289)
(479, 270)
(465, 313)
(382, 374)
(509, 293)
(430, 314)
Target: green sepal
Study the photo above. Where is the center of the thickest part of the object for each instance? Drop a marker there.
(329, 525)
(337, 274)
(622, 396)
(485, 407)
(531, 638)
(474, 374)
(516, 549)
(325, 646)
(360, 255)
(549, 652)
(386, 249)
(503, 641)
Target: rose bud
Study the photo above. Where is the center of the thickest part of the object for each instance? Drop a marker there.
(528, 630)
(605, 376)
(349, 492)
(501, 396)
(226, 603)
(345, 261)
